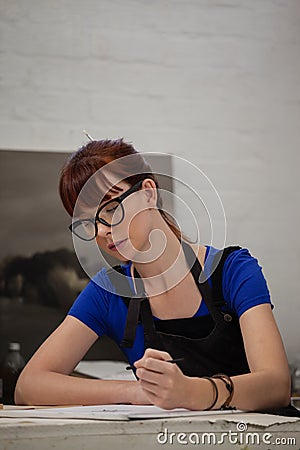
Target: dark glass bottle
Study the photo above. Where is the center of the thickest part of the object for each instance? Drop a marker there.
(10, 370)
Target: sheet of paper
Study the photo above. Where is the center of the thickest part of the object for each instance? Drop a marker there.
(107, 412)
(105, 370)
(136, 412)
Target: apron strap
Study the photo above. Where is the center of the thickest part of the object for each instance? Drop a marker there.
(132, 321)
(133, 303)
(133, 314)
(216, 277)
(150, 334)
(120, 282)
(204, 286)
(145, 311)
(213, 295)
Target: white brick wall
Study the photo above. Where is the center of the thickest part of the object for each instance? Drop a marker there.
(214, 81)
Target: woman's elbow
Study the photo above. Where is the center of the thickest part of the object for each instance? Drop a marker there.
(23, 388)
(283, 390)
(18, 392)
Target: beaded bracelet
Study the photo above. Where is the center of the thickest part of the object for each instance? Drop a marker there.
(216, 392)
(230, 388)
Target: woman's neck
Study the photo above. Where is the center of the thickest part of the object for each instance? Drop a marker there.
(166, 270)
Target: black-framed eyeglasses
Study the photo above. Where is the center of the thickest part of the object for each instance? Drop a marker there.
(110, 214)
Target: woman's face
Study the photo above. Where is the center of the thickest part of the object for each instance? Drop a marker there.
(131, 235)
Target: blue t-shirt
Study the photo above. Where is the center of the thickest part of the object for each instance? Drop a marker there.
(243, 285)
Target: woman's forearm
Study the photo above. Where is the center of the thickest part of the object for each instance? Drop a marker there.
(254, 391)
(50, 388)
(261, 390)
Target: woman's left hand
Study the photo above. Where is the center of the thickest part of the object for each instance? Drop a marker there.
(164, 383)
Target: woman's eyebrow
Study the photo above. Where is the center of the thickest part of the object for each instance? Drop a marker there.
(113, 190)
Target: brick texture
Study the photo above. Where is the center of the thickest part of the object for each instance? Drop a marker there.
(212, 81)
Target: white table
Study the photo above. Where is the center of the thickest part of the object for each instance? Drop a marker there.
(78, 434)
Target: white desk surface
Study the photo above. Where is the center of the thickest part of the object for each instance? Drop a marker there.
(262, 430)
(90, 432)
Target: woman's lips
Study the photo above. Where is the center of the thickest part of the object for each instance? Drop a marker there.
(114, 247)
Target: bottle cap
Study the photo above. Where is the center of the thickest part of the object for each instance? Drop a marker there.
(14, 346)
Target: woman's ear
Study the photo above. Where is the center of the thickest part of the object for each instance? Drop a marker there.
(149, 187)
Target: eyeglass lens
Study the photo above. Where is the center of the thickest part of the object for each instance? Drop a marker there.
(84, 229)
(111, 214)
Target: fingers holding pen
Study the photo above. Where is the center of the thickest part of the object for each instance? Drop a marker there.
(153, 353)
(154, 374)
(161, 379)
(153, 361)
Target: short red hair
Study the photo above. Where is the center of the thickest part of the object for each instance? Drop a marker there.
(88, 159)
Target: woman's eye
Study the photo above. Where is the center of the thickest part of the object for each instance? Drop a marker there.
(111, 210)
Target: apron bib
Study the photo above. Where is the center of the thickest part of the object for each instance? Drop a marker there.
(209, 344)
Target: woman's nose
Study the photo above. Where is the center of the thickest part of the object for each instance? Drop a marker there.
(103, 230)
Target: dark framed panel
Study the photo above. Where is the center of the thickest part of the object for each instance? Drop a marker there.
(40, 276)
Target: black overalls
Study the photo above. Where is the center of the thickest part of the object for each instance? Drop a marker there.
(209, 344)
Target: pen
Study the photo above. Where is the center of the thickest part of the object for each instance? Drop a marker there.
(172, 361)
(88, 135)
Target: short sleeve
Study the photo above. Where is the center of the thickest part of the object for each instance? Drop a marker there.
(92, 308)
(243, 282)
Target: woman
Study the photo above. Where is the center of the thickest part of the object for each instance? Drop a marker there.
(155, 304)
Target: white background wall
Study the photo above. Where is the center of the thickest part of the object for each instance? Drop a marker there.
(213, 81)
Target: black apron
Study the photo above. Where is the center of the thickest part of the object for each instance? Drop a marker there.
(209, 344)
